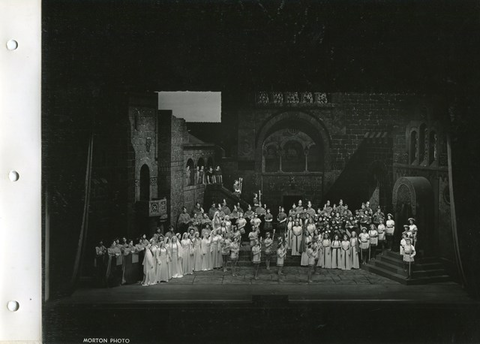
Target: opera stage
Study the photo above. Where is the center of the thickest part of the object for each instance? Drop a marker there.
(339, 306)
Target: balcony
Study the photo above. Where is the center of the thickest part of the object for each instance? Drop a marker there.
(154, 208)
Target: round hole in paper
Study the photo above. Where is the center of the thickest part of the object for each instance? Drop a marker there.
(13, 306)
(12, 44)
(13, 176)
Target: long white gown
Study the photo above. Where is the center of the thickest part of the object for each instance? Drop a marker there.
(296, 240)
(176, 269)
(149, 266)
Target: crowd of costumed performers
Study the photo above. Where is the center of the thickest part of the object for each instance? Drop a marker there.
(332, 237)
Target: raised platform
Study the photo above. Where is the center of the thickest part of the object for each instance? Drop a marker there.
(424, 271)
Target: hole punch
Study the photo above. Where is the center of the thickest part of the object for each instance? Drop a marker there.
(12, 45)
(13, 306)
(13, 176)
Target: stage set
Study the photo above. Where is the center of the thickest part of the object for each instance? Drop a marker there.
(155, 227)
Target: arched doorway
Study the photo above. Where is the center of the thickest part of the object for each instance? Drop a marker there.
(413, 197)
(292, 148)
(145, 183)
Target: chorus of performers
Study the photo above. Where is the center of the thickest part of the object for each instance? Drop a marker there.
(332, 237)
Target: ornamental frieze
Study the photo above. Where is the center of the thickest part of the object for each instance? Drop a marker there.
(291, 98)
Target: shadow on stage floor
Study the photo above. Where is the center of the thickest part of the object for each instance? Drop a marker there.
(214, 307)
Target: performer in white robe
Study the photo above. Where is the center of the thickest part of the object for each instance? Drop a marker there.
(197, 252)
(327, 255)
(336, 245)
(289, 233)
(175, 251)
(354, 244)
(345, 261)
(296, 241)
(149, 266)
(187, 255)
(207, 262)
(163, 261)
(307, 239)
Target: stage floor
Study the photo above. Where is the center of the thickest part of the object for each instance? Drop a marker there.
(327, 286)
(213, 307)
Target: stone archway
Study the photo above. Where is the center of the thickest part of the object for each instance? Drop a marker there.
(413, 197)
(310, 123)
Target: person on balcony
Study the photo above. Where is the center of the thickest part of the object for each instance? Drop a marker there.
(218, 175)
(210, 176)
(201, 176)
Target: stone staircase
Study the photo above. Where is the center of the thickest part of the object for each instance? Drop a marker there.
(425, 270)
(216, 193)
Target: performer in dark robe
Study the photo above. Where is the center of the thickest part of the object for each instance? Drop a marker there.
(226, 210)
(327, 208)
(114, 267)
(210, 176)
(239, 208)
(378, 216)
(249, 215)
(347, 212)
(212, 210)
(299, 207)
(310, 210)
(268, 226)
(197, 210)
(184, 221)
(218, 175)
(281, 221)
(293, 211)
(100, 264)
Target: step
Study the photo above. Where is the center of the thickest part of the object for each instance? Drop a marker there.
(431, 264)
(415, 280)
(385, 273)
(429, 279)
(389, 267)
(429, 273)
(389, 260)
(392, 254)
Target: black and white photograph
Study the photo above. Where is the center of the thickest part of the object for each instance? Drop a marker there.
(256, 171)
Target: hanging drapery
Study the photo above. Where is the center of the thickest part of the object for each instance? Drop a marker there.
(458, 257)
(84, 229)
